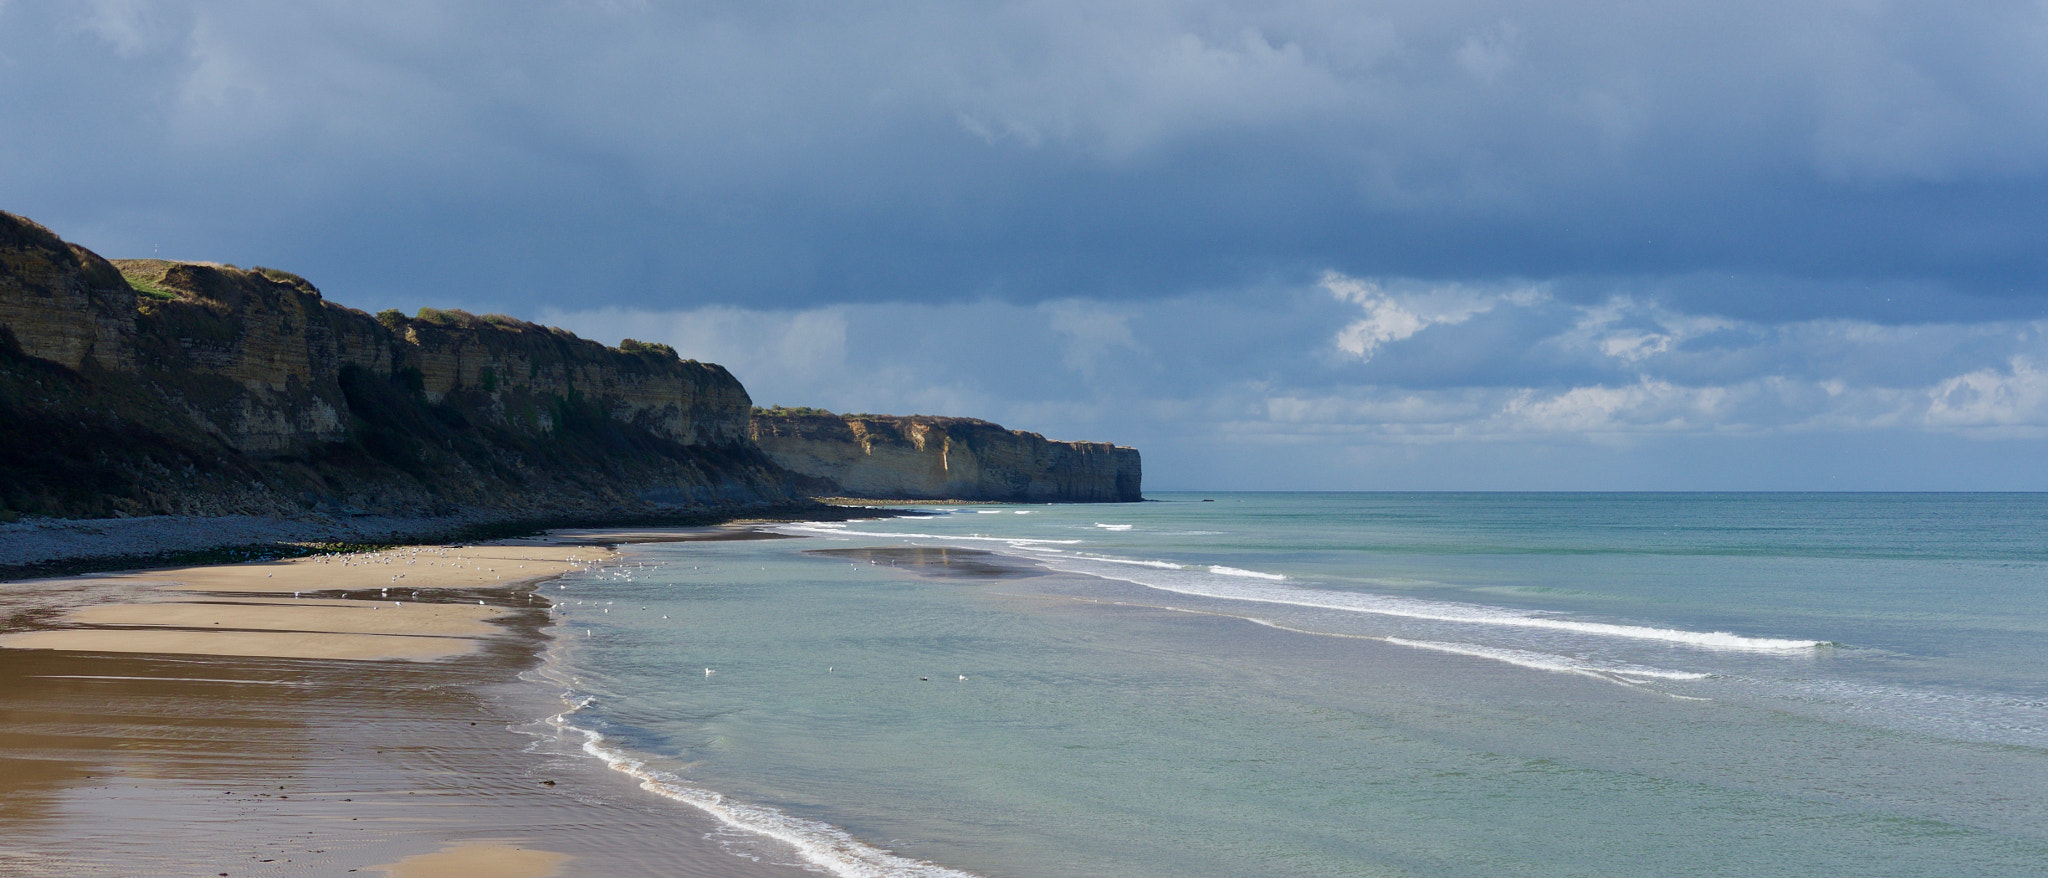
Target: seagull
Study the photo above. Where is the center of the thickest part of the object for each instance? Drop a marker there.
(708, 672)
(963, 678)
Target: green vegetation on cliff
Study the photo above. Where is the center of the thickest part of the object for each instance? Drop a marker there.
(157, 387)
(148, 386)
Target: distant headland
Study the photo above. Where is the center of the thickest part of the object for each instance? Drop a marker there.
(133, 388)
(931, 458)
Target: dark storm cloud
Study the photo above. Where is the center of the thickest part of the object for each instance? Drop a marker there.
(1287, 244)
(1828, 156)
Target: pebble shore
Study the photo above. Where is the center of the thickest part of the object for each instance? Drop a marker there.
(51, 540)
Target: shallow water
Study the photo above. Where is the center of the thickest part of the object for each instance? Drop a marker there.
(1349, 684)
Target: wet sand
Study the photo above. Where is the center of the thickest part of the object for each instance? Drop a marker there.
(209, 721)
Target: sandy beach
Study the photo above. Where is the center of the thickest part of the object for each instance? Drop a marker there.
(331, 715)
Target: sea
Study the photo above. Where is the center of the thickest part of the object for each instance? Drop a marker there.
(1340, 684)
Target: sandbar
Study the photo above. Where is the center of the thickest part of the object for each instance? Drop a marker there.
(419, 603)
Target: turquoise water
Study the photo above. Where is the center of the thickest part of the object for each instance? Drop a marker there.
(1345, 684)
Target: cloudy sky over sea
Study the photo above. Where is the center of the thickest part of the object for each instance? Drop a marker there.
(1797, 244)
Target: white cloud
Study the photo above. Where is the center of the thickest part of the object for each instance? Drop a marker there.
(1088, 366)
(1635, 333)
(2001, 401)
(1646, 406)
(1385, 320)
(1391, 318)
(1614, 377)
(1635, 346)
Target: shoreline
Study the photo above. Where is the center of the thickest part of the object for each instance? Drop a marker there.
(50, 547)
(355, 713)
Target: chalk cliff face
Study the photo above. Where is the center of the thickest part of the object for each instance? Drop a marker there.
(278, 350)
(147, 386)
(67, 301)
(140, 387)
(934, 458)
(518, 366)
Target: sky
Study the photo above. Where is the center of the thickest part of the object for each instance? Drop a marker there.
(1275, 245)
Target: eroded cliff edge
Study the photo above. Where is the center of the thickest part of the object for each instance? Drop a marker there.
(149, 388)
(921, 457)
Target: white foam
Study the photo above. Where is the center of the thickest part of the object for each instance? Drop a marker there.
(973, 538)
(1233, 571)
(821, 845)
(1623, 673)
(1231, 585)
(1547, 662)
(1985, 717)
(1162, 565)
(1112, 526)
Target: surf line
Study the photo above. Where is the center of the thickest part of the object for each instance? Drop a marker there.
(1620, 676)
(826, 531)
(819, 844)
(1383, 605)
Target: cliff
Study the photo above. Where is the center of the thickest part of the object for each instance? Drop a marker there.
(919, 457)
(152, 387)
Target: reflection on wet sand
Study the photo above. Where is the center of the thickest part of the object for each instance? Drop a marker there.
(114, 764)
(135, 740)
